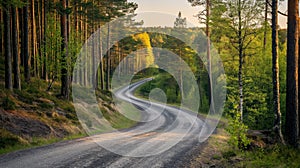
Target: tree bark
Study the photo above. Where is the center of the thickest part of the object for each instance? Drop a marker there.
(15, 44)
(209, 60)
(25, 44)
(241, 57)
(64, 49)
(108, 58)
(21, 34)
(33, 38)
(266, 24)
(101, 62)
(7, 46)
(45, 55)
(275, 68)
(292, 125)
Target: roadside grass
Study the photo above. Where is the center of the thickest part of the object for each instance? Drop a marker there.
(212, 153)
(118, 120)
(218, 153)
(130, 111)
(273, 156)
(37, 142)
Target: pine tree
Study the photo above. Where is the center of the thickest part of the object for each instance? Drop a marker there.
(64, 50)
(292, 125)
(7, 45)
(15, 45)
(275, 67)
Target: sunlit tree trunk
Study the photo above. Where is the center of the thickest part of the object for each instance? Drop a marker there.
(275, 67)
(241, 57)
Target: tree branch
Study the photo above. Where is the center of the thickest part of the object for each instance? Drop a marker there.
(281, 13)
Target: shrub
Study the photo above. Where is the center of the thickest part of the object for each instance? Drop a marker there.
(237, 130)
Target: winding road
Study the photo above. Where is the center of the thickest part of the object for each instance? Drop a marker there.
(168, 133)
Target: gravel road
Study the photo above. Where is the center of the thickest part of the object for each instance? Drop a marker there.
(177, 129)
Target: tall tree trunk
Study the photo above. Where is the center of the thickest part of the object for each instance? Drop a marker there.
(21, 34)
(266, 24)
(298, 78)
(1, 33)
(275, 67)
(15, 44)
(7, 46)
(292, 125)
(85, 63)
(33, 38)
(64, 49)
(241, 55)
(209, 60)
(81, 39)
(39, 37)
(45, 55)
(101, 62)
(25, 44)
(108, 58)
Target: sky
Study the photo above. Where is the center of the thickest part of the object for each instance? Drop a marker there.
(170, 9)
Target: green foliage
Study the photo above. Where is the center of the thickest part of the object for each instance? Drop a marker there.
(228, 154)
(257, 74)
(274, 156)
(7, 139)
(45, 105)
(165, 82)
(51, 49)
(237, 130)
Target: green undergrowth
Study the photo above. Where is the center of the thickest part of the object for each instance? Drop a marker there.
(219, 152)
(16, 144)
(273, 156)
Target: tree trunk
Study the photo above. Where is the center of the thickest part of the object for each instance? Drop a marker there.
(266, 24)
(209, 61)
(7, 46)
(292, 126)
(15, 44)
(21, 34)
(241, 55)
(275, 68)
(108, 58)
(25, 44)
(64, 49)
(45, 55)
(39, 38)
(33, 38)
(1, 32)
(101, 62)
